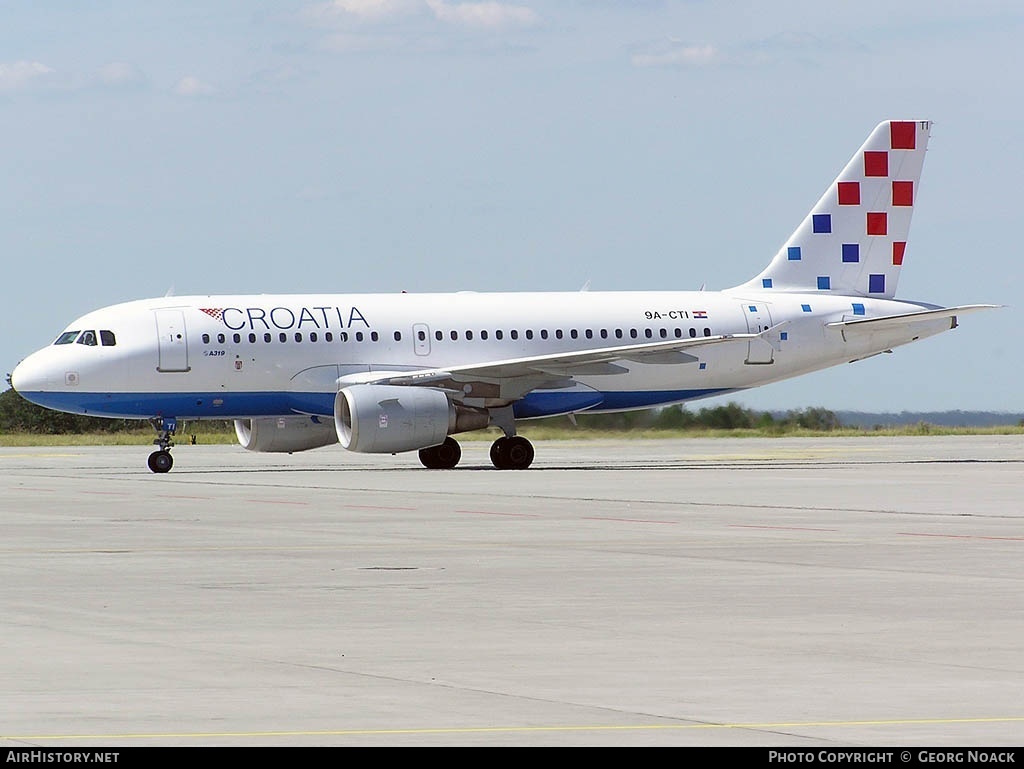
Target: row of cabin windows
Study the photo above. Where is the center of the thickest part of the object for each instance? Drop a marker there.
(328, 336)
(468, 335)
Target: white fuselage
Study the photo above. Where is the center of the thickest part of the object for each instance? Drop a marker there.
(237, 356)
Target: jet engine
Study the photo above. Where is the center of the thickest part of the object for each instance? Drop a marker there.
(387, 419)
(285, 434)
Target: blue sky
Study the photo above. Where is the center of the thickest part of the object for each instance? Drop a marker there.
(435, 145)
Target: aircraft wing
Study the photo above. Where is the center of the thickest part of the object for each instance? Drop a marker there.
(514, 377)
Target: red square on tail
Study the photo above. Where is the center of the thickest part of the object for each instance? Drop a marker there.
(876, 163)
(849, 193)
(899, 248)
(877, 224)
(903, 135)
(903, 193)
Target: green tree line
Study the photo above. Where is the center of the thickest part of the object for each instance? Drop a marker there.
(731, 416)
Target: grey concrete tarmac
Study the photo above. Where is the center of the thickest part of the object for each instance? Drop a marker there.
(767, 592)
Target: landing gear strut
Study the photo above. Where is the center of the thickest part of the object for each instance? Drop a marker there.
(161, 461)
(511, 451)
(444, 456)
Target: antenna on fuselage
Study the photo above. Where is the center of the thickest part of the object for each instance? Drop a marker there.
(170, 291)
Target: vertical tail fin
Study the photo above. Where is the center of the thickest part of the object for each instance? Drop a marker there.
(853, 240)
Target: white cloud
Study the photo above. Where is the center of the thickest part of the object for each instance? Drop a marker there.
(489, 15)
(118, 73)
(193, 86)
(347, 43)
(23, 74)
(362, 10)
(675, 54)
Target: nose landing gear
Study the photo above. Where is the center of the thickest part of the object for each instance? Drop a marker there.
(161, 461)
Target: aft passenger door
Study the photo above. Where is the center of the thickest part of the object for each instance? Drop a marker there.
(173, 344)
(758, 320)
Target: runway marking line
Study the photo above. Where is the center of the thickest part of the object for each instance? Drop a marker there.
(521, 729)
(959, 536)
(503, 515)
(374, 507)
(780, 528)
(627, 520)
(276, 502)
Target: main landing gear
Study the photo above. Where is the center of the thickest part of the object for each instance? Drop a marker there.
(507, 453)
(511, 453)
(161, 461)
(443, 456)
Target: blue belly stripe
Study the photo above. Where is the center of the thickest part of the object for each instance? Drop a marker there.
(240, 405)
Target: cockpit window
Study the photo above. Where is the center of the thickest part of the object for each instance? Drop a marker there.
(88, 338)
(67, 337)
(107, 338)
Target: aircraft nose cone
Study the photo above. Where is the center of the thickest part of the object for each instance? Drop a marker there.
(30, 376)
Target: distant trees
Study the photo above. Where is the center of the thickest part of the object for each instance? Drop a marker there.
(731, 416)
(17, 415)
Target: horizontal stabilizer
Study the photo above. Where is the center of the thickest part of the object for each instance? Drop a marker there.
(906, 319)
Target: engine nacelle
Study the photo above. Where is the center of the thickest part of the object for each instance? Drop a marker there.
(387, 419)
(285, 434)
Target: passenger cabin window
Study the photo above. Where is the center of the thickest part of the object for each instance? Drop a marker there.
(107, 338)
(88, 338)
(206, 338)
(67, 337)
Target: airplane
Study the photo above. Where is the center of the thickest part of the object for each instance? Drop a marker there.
(400, 372)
